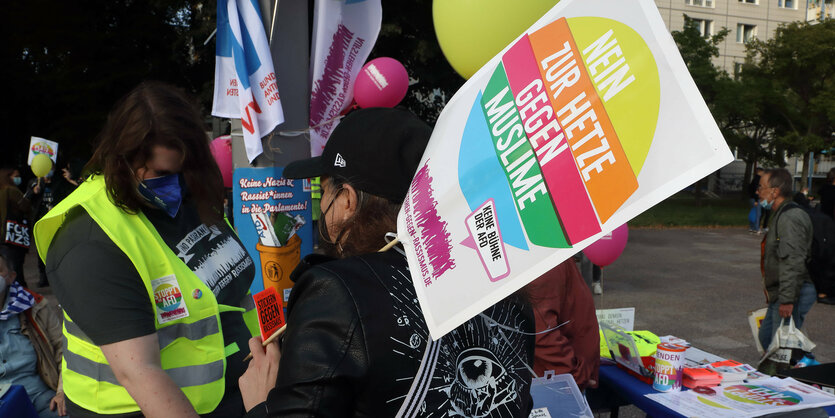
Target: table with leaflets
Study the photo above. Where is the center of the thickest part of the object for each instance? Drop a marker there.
(756, 395)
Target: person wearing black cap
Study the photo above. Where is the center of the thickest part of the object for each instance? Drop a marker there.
(356, 342)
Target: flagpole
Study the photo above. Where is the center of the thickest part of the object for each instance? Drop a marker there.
(272, 24)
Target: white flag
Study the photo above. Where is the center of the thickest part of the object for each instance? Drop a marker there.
(245, 82)
(345, 31)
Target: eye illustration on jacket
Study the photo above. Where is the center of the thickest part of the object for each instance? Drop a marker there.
(481, 384)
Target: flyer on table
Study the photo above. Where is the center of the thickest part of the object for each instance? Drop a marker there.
(586, 120)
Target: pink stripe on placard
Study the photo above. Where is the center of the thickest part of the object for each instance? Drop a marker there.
(544, 133)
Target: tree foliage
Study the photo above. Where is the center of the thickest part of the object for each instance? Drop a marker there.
(798, 65)
(698, 53)
(408, 35)
(66, 63)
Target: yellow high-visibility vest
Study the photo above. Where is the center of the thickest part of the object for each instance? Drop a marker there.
(187, 315)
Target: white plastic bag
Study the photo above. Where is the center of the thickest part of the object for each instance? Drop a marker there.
(786, 338)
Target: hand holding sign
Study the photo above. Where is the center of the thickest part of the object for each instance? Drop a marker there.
(260, 377)
(270, 316)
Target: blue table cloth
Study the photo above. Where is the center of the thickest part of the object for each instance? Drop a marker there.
(16, 403)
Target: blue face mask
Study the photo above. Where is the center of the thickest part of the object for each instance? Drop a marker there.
(16, 181)
(163, 192)
(766, 204)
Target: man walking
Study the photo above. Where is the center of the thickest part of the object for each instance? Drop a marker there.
(786, 249)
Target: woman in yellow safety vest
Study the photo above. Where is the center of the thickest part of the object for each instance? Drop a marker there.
(154, 284)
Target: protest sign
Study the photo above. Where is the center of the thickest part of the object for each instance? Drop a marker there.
(583, 122)
(273, 220)
(42, 146)
(270, 314)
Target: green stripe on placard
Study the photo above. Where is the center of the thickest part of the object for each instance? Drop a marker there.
(518, 160)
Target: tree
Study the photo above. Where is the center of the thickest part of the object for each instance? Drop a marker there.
(698, 53)
(66, 63)
(798, 66)
(747, 106)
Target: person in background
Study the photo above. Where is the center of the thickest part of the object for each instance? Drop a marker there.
(17, 178)
(72, 173)
(357, 344)
(568, 339)
(786, 249)
(14, 220)
(153, 282)
(754, 201)
(30, 343)
(43, 194)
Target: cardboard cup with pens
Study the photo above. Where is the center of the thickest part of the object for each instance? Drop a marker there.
(279, 248)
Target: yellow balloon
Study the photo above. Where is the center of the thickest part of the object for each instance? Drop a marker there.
(41, 164)
(473, 31)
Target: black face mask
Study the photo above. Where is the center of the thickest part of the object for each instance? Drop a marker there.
(330, 247)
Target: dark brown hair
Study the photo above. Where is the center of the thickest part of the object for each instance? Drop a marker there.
(366, 229)
(155, 114)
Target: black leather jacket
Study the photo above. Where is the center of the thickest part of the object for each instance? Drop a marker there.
(357, 346)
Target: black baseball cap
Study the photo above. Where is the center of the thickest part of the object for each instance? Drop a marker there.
(376, 149)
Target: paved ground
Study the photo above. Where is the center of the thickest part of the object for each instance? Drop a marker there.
(697, 284)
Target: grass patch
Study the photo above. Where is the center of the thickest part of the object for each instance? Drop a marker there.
(681, 210)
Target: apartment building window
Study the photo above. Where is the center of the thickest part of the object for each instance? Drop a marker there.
(699, 3)
(737, 69)
(705, 27)
(750, 1)
(787, 4)
(745, 33)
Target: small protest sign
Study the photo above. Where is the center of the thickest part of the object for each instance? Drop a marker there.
(42, 146)
(270, 312)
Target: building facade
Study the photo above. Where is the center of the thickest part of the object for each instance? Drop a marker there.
(746, 19)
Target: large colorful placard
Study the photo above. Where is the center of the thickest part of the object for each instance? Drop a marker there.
(273, 220)
(583, 122)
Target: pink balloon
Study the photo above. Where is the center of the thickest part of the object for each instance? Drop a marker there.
(222, 151)
(608, 248)
(382, 82)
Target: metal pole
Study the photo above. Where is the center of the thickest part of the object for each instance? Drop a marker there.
(811, 170)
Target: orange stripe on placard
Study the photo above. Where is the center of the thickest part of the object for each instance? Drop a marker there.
(593, 141)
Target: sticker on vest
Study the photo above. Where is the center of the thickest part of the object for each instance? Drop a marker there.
(168, 299)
